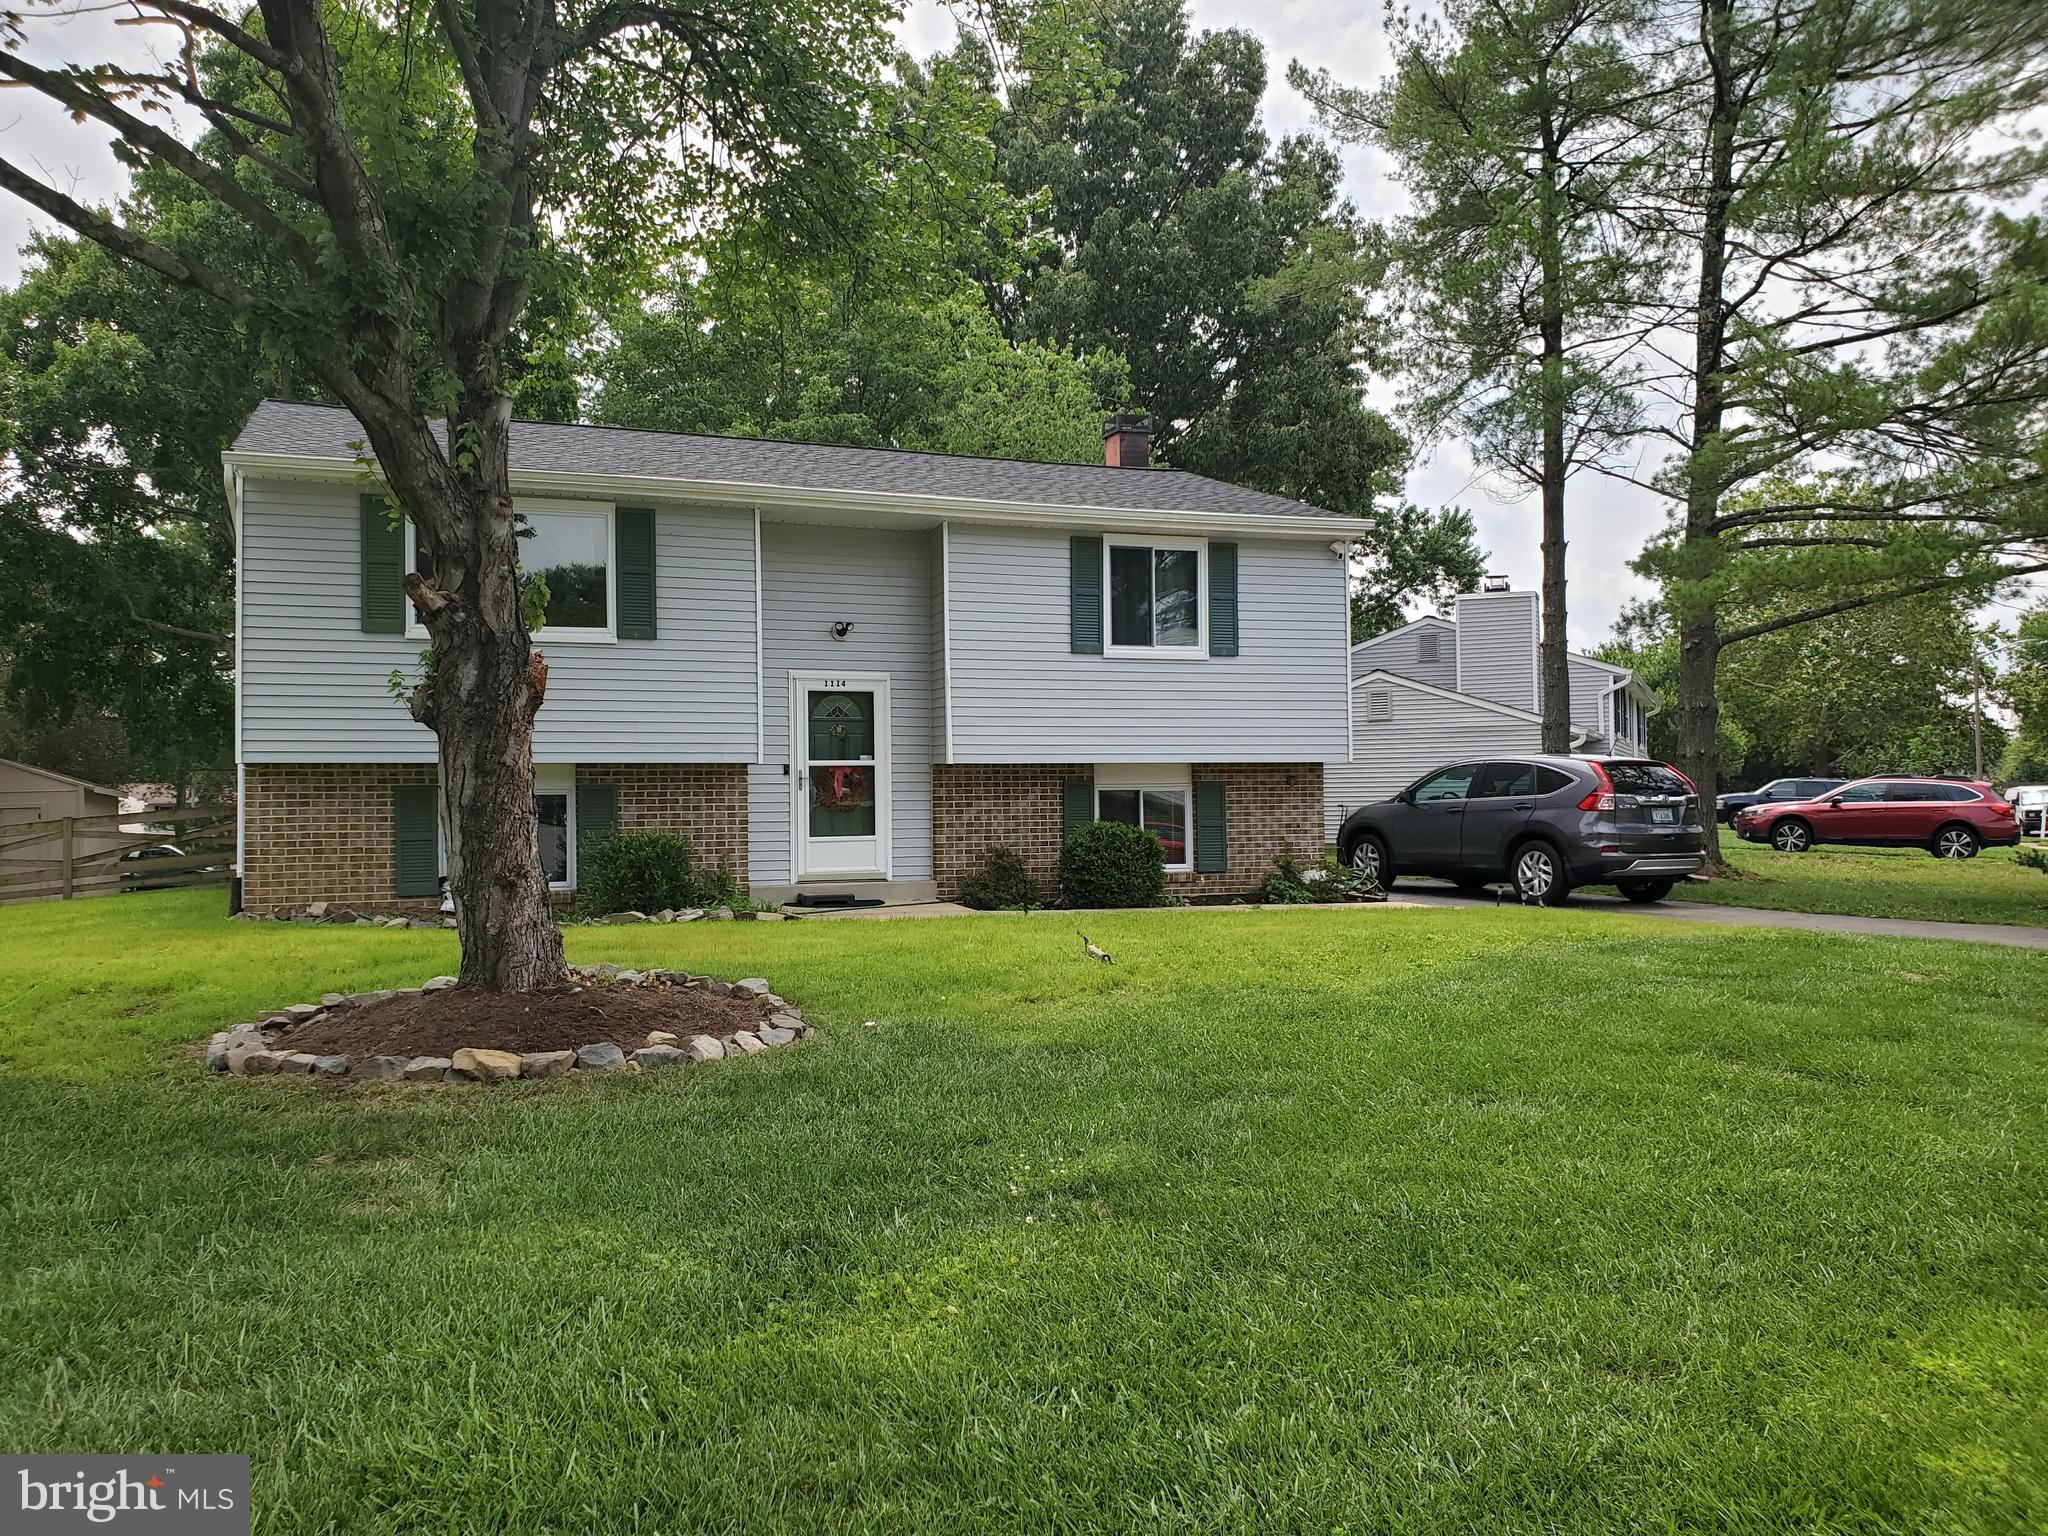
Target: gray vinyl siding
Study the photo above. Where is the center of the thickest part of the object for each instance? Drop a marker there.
(1021, 695)
(1400, 652)
(313, 685)
(880, 581)
(1497, 648)
(1425, 733)
(1590, 685)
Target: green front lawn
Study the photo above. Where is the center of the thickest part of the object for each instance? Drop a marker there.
(1994, 887)
(1317, 1221)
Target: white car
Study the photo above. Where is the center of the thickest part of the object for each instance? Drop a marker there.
(2031, 801)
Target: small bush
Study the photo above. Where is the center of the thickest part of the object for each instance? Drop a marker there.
(1287, 885)
(1109, 864)
(1002, 881)
(1294, 884)
(2031, 858)
(644, 871)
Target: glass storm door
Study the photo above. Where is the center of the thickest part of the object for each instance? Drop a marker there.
(842, 774)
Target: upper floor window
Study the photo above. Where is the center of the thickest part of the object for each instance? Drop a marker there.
(1155, 597)
(568, 545)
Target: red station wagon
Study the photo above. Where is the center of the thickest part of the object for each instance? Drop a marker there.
(1950, 818)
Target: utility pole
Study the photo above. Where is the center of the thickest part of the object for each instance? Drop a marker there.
(1977, 704)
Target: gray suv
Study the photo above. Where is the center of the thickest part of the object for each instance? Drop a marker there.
(1545, 824)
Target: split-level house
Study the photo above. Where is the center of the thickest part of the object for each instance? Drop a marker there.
(839, 670)
(1440, 691)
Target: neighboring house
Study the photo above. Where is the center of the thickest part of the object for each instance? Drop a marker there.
(836, 669)
(27, 864)
(37, 794)
(1441, 691)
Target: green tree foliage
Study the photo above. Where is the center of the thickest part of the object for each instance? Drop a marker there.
(1866, 354)
(880, 338)
(2025, 686)
(886, 374)
(1517, 312)
(415, 175)
(1883, 688)
(1165, 226)
(118, 391)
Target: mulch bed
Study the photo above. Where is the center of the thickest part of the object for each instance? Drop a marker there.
(559, 1019)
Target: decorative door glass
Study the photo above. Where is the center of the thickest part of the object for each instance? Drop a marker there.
(841, 793)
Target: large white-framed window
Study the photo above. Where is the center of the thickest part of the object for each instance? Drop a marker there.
(1158, 595)
(572, 544)
(1158, 797)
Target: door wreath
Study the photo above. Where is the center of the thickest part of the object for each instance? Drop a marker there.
(839, 789)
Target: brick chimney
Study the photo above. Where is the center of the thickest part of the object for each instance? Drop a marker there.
(1127, 441)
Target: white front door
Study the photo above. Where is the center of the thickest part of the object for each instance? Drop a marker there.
(839, 749)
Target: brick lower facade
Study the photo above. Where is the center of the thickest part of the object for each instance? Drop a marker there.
(706, 802)
(323, 832)
(1268, 807)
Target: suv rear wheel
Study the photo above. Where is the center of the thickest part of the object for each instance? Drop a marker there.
(1791, 836)
(1368, 857)
(1955, 842)
(1645, 890)
(1540, 874)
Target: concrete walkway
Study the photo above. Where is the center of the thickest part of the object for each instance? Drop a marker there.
(1409, 893)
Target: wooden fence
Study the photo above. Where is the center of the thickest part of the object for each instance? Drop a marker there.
(71, 856)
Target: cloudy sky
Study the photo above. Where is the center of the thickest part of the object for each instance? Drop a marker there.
(1608, 522)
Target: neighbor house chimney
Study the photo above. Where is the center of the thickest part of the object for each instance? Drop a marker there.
(1127, 441)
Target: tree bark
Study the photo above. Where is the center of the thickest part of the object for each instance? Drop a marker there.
(484, 688)
(1554, 683)
(1699, 645)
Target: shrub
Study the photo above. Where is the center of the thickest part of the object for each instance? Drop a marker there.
(1287, 885)
(1002, 881)
(2031, 858)
(643, 871)
(1109, 864)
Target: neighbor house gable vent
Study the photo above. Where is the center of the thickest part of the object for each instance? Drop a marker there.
(1431, 647)
(1379, 704)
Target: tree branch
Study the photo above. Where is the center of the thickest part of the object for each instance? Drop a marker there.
(96, 227)
(1850, 605)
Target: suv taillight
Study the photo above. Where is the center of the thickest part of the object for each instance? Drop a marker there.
(1602, 797)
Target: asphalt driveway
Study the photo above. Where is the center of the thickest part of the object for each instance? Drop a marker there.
(1428, 893)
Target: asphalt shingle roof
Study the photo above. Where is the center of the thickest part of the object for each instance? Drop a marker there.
(323, 431)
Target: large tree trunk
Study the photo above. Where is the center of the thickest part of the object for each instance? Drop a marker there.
(482, 692)
(1699, 703)
(1555, 678)
(1556, 681)
(1699, 654)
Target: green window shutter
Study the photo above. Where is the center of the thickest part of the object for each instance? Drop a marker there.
(635, 577)
(1222, 599)
(383, 575)
(597, 815)
(1084, 586)
(1212, 835)
(1077, 806)
(416, 854)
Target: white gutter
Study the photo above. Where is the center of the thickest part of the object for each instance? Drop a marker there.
(231, 481)
(540, 482)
